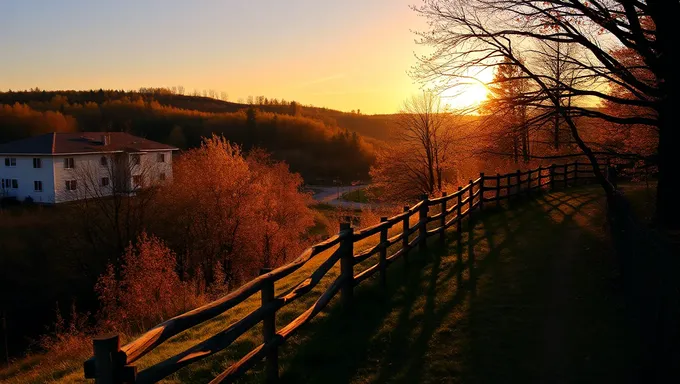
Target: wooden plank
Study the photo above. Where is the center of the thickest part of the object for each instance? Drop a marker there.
(169, 328)
(365, 274)
(367, 253)
(259, 352)
(223, 339)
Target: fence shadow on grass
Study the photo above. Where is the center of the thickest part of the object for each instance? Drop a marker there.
(480, 310)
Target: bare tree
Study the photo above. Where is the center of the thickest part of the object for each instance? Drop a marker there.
(115, 192)
(419, 159)
(472, 34)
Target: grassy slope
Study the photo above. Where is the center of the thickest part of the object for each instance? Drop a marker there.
(526, 296)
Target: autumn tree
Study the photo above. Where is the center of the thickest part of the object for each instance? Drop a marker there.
(508, 104)
(228, 211)
(418, 159)
(145, 292)
(469, 34)
(281, 213)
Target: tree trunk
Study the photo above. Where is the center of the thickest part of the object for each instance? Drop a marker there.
(668, 201)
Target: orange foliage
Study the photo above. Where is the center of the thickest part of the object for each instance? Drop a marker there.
(243, 213)
(146, 291)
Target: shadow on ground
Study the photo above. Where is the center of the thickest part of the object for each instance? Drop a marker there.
(528, 294)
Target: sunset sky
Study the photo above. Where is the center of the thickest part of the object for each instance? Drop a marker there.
(351, 54)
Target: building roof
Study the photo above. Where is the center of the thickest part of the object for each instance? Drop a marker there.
(59, 143)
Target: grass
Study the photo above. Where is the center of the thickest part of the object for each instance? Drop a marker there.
(358, 196)
(363, 195)
(528, 294)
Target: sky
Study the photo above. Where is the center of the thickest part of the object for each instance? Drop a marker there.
(346, 55)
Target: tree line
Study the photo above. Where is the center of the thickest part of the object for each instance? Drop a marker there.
(316, 148)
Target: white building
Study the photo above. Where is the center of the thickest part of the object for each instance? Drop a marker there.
(59, 167)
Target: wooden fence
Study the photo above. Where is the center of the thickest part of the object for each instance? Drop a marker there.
(113, 364)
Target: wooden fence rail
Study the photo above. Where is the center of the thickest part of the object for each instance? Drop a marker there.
(113, 364)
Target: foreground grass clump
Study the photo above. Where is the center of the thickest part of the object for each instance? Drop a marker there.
(526, 295)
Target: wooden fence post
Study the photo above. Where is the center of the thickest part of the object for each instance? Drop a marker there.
(382, 261)
(404, 238)
(529, 183)
(498, 190)
(471, 200)
(518, 175)
(565, 175)
(481, 191)
(508, 182)
(552, 177)
(269, 329)
(576, 172)
(459, 210)
(106, 348)
(346, 250)
(442, 220)
(422, 223)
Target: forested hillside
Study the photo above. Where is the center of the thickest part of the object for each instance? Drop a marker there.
(316, 142)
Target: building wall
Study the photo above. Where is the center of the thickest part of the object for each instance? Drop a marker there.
(87, 173)
(25, 175)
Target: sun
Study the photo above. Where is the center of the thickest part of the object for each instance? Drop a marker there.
(468, 93)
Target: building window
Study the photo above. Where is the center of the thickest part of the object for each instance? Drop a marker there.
(161, 157)
(105, 181)
(37, 162)
(10, 162)
(104, 161)
(68, 162)
(71, 185)
(134, 159)
(161, 177)
(10, 183)
(37, 186)
(137, 181)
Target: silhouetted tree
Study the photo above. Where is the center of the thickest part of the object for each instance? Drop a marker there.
(469, 34)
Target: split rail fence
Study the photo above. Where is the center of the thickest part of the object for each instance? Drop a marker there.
(113, 364)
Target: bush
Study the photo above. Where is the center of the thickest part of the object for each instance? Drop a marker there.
(146, 291)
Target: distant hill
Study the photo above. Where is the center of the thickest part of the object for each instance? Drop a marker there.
(318, 143)
(369, 126)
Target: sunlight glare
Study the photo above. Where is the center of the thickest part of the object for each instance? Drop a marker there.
(470, 93)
